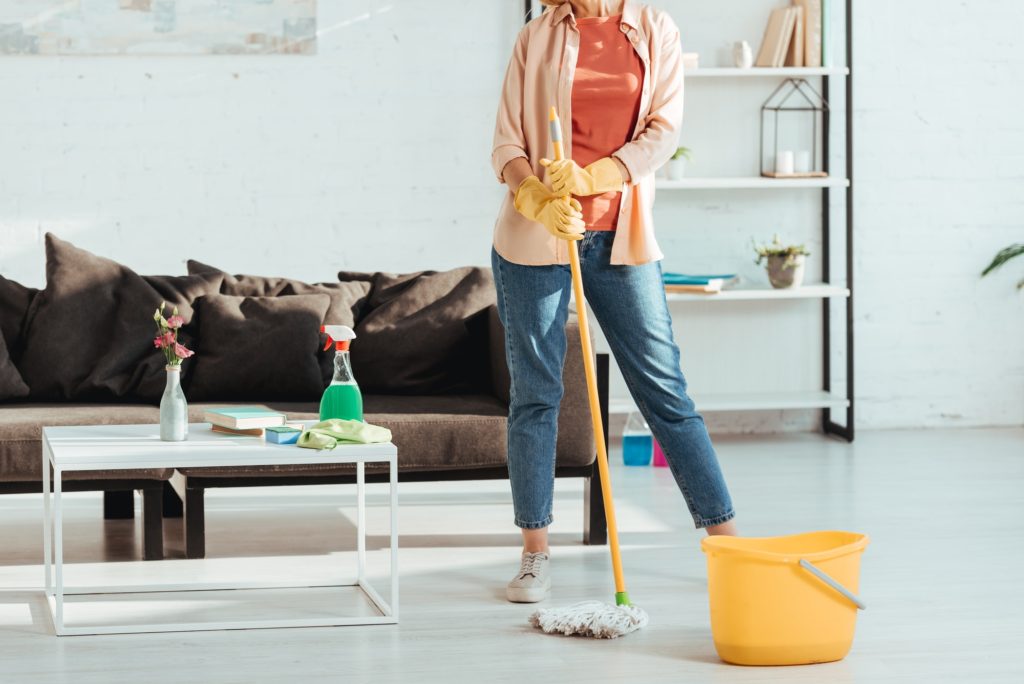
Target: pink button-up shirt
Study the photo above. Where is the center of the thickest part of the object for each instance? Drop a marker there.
(540, 74)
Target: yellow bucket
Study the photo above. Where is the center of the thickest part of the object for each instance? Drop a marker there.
(784, 600)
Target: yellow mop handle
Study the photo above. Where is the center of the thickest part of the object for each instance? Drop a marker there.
(621, 597)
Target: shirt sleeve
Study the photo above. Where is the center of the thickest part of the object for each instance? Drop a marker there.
(509, 139)
(660, 137)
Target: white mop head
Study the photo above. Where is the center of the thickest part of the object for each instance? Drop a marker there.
(590, 619)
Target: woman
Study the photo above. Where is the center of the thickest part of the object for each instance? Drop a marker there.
(613, 69)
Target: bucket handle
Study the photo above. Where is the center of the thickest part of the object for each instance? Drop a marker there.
(827, 579)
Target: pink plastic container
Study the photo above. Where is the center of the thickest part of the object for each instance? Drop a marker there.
(659, 456)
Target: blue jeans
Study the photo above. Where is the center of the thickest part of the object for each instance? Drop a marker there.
(629, 303)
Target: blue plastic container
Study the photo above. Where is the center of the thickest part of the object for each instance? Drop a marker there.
(637, 449)
(637, 443)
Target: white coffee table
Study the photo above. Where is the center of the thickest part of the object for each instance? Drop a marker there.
(114, 447)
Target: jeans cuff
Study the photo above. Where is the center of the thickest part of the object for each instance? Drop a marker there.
(534, 525)
(717, 520)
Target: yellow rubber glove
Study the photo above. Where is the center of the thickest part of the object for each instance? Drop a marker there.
(595, 179)
(561, 215)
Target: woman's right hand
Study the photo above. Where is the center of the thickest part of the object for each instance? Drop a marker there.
(561, 215)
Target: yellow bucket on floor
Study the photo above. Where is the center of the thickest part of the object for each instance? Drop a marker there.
(784, 600)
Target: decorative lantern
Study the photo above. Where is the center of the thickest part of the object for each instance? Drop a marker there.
(791, 119)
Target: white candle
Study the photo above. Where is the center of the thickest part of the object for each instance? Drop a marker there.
(784, 163)
(803, 161)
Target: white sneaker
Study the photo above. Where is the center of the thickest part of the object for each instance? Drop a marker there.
(532, 582)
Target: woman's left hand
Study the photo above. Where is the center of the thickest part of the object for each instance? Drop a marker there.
(595, 179)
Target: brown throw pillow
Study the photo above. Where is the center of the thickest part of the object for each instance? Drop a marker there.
(258, 348)
(90, 331)
(417, 337)
(15, 300)
(347, 298)
(11, 384)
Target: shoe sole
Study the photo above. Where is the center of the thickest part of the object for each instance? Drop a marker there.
(525, 595)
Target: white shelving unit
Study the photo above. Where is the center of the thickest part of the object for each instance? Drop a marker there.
(750, 182)
(788, 72)
(762, 401)
(810, 291)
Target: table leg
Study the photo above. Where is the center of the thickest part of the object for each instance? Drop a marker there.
(361, 517)
(47, 520)
(58, 551)
(393, 471)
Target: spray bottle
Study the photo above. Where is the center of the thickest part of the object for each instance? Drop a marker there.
(341, 398)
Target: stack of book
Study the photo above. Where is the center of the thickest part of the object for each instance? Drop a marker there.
(795, 35)
(243, 420)
(701, 284)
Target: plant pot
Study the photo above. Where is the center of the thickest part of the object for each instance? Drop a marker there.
(173, 408)
(782, 276)
(676, 168)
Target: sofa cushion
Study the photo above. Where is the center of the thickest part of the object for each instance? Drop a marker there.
(21, 434)
(11, 384)
(15, 300)
(258, 347)
(417, 335)
(90, 331)
(347, 298)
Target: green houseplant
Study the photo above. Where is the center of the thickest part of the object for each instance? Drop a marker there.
(785, 263)
(677, 164)
(1002, 257)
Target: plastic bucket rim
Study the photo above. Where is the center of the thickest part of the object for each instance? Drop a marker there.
(708, 546)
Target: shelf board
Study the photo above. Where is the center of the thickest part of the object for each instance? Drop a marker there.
(726, 182)
(746, 293)
(794, 72)
(760, 401)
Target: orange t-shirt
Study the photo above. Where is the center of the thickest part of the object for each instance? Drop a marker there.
(605, 105)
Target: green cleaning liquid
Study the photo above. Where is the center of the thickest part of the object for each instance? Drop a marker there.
(342, 400)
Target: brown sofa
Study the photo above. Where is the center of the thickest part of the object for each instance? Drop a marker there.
(446, 406)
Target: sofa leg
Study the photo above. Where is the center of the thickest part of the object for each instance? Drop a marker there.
(153, 522)
(173, 507)
(118, 504)
(595, 524)
(195, 523)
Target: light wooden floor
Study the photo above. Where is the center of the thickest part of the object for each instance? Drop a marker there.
(942, 576)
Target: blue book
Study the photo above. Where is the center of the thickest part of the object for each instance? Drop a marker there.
(685, 279)
(243, 417)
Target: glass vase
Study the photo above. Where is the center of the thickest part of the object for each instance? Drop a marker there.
(173, 408)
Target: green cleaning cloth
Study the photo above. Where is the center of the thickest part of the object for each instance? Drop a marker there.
(328, 434)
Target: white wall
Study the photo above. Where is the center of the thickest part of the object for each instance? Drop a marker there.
(374, 155)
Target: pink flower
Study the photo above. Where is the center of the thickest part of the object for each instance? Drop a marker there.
(181, 352)
(164, 341)
(175, 322)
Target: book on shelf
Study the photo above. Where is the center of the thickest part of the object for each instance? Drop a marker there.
(249, 432)
(777, 36)
(812, 31)
(826, 32)
(243, 417)
(703, 284)
(795, 54)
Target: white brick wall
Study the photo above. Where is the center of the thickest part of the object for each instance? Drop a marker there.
(374, 155)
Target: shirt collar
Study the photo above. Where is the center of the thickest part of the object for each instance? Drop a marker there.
(630, 13)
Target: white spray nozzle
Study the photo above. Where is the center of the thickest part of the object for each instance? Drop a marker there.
(338, 335)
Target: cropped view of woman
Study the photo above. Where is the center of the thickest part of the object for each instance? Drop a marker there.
(613, 69)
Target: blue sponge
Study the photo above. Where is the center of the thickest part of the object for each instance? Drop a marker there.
(283, 434)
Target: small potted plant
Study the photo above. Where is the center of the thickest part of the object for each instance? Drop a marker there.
(785, 262)
(677, 164)
(1002, 257)
(173, 407)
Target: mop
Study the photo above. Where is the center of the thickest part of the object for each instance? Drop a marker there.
(592, 618)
